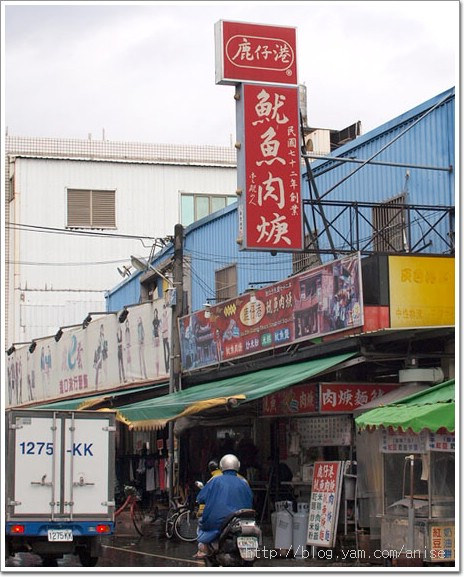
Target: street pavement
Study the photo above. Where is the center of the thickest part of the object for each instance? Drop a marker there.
(126, 549)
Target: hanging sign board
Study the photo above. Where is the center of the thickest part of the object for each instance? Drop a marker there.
(255, 53)
(296, 400)
(396, 442)
(422, 291)
(322, 300)
(345, 397)
(441, 544)
(268, 168)
(325, 503)
(325, 431)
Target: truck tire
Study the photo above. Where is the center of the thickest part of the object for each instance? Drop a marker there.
(86, 559)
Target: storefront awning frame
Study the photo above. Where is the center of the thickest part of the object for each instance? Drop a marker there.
(156, 413)
(433, 409)
(91, 401)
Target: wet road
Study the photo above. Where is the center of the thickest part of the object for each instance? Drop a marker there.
(136, 552)
(127, 549)
(120, 553)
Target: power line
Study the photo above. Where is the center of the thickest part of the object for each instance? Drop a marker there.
(52, 230)
(38, 263)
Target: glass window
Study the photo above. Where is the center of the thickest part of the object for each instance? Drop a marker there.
(196, 206)
(201, 207)
(217, 202)
(187, 209)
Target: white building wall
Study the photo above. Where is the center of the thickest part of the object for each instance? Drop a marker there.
(58, 278)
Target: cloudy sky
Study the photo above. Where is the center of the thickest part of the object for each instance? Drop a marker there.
(145, 71)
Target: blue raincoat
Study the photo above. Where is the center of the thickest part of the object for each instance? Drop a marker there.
(222, 496)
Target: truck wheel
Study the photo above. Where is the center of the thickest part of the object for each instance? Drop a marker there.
(86, 559)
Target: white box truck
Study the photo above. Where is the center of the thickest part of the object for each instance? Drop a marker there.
(59, 482)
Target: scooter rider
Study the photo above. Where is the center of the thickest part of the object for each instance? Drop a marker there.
(222, 495)
(214, 470)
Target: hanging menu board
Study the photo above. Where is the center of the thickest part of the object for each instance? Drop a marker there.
(325, 431)
(325, 503)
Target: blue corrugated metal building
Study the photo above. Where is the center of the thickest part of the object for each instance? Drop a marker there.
(408, 160)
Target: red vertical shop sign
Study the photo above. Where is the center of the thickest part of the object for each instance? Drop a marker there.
(269, 173)
(325, 503)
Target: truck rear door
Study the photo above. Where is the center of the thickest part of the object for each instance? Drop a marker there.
(60, 464)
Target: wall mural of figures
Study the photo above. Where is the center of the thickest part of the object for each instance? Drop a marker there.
(105, 355)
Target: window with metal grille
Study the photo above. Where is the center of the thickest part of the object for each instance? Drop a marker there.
(196, 206)
(226, 283)
(389, 225)
(305, 260)
(91, 208)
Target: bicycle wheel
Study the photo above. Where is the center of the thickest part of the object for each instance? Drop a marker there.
(186, 526)
(142, 515)
(171, 517)
(137, 516)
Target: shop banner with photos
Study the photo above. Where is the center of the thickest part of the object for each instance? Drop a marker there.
(323, 300)
(105, 355)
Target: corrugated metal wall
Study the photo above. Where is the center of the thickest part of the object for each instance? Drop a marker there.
(210, 244)
(428, 142)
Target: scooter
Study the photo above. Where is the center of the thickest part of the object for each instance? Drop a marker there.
(237, 545)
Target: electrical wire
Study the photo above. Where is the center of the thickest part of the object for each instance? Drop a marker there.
(92, 263)
(65, 231)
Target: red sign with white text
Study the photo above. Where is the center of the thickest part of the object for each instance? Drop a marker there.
(255, 53)
(269, 172)
(345, 397)
(296, 400)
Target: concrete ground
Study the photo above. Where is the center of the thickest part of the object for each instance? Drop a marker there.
(156, 544)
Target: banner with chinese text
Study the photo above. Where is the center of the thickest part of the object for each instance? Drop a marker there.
(104, 356)
(268, 168)
(422, 291)
(325, 503)
(346, 397)
(295, 400)
(322, 300)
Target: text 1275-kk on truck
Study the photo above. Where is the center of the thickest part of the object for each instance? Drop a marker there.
(59, 482)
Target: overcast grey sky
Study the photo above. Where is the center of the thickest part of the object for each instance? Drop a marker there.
(145, 71)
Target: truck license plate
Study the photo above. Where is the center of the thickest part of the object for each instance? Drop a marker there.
(60, 535)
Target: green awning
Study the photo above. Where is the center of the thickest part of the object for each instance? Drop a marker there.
(433, 409)
(155, 413)
(91, 400)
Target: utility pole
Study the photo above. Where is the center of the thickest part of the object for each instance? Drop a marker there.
(175, 359)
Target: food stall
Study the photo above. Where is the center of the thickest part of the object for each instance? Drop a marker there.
(417, 445)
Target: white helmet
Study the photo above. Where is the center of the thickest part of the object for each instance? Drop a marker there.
(229, 462)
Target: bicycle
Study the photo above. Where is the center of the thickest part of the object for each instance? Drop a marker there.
(181, 520)
(186, 525)
(140, 512)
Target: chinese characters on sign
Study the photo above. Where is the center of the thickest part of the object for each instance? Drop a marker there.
(316, 302)
(339, 398)
(299, 399)
(441, 442)
(422, 291)
(324, 431)
(105, 355)
(325, 502)
(402, 442)
(270, 175)
(442, 543)
(255, 53)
